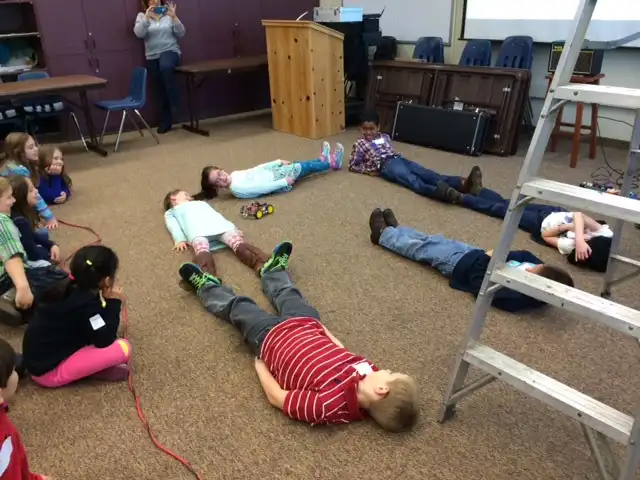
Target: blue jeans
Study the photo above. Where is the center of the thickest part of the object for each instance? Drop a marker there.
(415, 177)
(164, 85)
(310, 167)
(436, 251)
(493, 204)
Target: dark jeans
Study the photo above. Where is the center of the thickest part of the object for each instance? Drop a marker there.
(40, 280)
(415, 177)
(254, 323)
(493, 204)
(165, 86)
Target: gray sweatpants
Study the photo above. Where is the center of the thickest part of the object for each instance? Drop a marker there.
(254, 323)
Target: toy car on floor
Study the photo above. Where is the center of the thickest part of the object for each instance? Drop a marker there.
(257, 210)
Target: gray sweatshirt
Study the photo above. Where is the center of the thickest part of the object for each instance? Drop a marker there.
(159, 35)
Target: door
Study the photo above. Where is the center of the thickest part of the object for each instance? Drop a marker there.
(62, 27)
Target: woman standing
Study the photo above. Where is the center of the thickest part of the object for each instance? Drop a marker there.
(160, 28)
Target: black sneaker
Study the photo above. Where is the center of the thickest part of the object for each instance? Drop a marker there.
(447, 194)
(9, 315)
(191, 274)
(377, 225)
(279, 259)
(390, 217)
(473, 184)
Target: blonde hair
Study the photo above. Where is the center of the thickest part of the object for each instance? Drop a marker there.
(14, 147)
(399, 410)
(5, 186)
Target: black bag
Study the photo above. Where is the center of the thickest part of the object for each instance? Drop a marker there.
(387, 49)
(459, 131)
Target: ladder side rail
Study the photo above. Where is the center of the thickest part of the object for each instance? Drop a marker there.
(631, 460)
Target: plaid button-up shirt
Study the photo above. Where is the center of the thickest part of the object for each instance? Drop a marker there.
(367, 155)
(10, 245)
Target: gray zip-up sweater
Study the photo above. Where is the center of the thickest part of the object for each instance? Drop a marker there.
(159, 35)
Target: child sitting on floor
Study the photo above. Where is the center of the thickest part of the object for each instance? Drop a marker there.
(273, 177)
(21, 158)
(55, 184)
(73, 334)
(464, 265)
(304, 370)
(14, 465)
(196, 223)
(39, 247)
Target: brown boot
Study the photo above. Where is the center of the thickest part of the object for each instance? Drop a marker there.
(251, 256)
(206, 263)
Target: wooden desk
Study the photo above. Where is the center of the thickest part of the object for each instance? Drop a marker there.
(577, 126)
(80, 84)
(207, 68)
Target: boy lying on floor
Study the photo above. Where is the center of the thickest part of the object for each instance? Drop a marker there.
(464, 265)
(304, 370)
(584, 241)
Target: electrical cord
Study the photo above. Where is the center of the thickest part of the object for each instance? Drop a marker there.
(124, 317)
(607, 173)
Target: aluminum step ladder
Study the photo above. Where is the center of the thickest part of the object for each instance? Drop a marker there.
(599, 422)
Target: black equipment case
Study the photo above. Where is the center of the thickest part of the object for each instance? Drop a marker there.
(459, 131)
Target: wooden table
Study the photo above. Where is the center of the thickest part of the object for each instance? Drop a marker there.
(64, 84)
(196, 73)
(577, 126)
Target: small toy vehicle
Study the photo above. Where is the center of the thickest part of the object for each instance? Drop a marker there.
(257, 210)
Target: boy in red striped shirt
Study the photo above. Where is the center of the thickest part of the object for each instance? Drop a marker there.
(304, 370)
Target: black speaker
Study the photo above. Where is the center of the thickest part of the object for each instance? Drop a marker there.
(589, 61)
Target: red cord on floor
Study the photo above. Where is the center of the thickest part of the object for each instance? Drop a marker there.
(124, 317)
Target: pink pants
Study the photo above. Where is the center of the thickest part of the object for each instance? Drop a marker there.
(86, 362)
(231, 239)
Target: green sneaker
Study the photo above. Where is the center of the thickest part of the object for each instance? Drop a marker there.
(279, 259)
(192, 275)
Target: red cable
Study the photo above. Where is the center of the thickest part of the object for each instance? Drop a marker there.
(125, 320)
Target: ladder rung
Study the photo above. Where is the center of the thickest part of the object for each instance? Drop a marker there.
(603, 311)
(627, 260)
(603, 418)
(583, 199)
(621, 97)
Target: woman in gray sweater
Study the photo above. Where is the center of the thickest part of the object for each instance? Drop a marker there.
(160, 29)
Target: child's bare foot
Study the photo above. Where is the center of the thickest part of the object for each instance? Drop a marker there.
(336, 158)
(325, 155)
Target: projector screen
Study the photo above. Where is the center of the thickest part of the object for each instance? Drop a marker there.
(548, 20)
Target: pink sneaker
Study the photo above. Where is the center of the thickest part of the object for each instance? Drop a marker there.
(325, 155)
(336, 157)
(118, 373)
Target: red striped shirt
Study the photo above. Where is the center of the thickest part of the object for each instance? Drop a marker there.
(320, 376)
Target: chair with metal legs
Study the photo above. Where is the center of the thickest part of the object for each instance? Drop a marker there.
(133, 103)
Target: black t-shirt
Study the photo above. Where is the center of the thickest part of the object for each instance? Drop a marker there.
(59, 329)
(469, 273)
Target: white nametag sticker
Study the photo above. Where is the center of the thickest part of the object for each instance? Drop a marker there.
(363, 368)
(379, 141)
(97, 322)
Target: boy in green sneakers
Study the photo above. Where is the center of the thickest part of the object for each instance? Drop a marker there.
(304, 370)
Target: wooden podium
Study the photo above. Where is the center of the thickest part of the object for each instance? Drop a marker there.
(306, 78)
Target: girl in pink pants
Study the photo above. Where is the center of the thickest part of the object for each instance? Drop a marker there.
(73, 333)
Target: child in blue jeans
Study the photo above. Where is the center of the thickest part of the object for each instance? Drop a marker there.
(464, 265)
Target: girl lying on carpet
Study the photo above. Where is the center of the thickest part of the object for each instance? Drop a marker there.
(196, 223)
(73, 334)
(39, 248)
(21, 158)
(55, 184)
(272, 177)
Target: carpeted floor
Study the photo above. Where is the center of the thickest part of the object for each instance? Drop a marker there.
(196, 379)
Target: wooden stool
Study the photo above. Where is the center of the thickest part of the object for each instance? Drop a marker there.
(578, 127)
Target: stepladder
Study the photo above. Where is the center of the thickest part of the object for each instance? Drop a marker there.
(600, 423)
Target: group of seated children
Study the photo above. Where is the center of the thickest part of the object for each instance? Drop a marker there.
(584, 241)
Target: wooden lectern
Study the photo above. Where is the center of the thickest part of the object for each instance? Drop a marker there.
(306, 78)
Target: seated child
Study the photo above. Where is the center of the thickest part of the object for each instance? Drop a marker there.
(38, 247)
(16, 273)
(55, 184)
(21, 158)
(464, 265)
(273, 177)
(584, 241)
(196, 223)
(73, 333)
(15, 465)
(304, 370)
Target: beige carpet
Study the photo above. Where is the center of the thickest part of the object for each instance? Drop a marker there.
(196, 378)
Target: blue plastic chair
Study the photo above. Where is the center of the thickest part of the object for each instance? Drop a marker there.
(46, 107)
(133, 103)
(429, 49)
(476, 53)
(516, 52)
